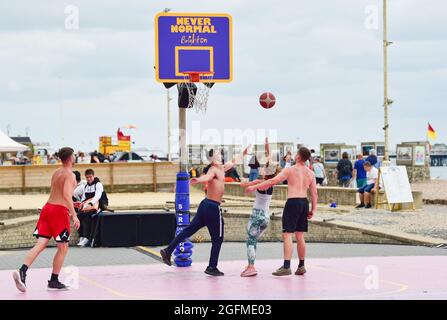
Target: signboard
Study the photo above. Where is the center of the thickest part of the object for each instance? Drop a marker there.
(396, 184)
(200, 42)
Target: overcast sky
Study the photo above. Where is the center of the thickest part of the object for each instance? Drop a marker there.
(322, 59)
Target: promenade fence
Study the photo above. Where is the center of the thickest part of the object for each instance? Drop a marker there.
(116, 177)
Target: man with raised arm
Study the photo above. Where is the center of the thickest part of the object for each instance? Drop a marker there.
(296, 210)
(208, 213)
(54, 222)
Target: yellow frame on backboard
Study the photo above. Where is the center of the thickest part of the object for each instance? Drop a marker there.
(177, 49)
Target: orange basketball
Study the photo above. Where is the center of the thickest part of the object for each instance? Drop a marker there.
(267, 100)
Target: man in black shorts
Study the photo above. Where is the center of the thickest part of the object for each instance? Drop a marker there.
(296, 211)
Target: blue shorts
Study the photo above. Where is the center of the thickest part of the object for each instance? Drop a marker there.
(366, 188)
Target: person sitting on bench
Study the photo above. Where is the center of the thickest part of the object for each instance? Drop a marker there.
(372, 174)
(94, 200)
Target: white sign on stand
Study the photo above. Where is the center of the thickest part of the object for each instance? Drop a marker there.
(396, 184)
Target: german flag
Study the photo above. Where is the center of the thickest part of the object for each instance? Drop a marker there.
(431, 133)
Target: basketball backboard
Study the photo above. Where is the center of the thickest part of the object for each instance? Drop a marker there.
(193, 42)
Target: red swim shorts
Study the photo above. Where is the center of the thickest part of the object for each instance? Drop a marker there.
(54, 222)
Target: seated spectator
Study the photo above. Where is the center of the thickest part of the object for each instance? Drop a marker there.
(365, 192)
(318, 169)
(79, 190)
(344, 171)
(93, 201)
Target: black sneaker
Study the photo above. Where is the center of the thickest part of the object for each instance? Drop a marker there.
(368, 206)
(56, 286)
(362, 205)
(165, 257)
(20, 278)
(213, 272)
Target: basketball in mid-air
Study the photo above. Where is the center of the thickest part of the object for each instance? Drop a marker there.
(267, 100)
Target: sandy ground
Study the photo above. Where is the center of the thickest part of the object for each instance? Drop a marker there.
(434, 189)
(431, 222)
(34, 201)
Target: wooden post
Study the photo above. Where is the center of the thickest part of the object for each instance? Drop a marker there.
(23, 180)
(154, 176)
(376, 194)
(111, 176)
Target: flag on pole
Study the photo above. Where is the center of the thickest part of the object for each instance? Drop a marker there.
(431, 133)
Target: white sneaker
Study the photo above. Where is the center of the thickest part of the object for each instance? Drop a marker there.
(84, 242)
(80, 241)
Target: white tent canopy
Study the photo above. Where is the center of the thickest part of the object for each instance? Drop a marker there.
(9, 145)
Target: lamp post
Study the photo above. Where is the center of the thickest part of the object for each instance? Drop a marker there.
(386, 101)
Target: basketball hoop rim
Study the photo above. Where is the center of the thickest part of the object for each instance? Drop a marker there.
(195, 76)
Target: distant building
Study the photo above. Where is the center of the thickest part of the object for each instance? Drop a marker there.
(438, 155)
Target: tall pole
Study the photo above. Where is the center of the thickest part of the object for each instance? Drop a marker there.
(182, 140)
(183, 250)
(168, 99)
(386, 101)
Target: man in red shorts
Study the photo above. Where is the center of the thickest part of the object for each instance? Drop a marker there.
(54, 222)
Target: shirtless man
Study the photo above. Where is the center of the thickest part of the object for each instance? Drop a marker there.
(209, 213)
(54, 222)
(296, 211)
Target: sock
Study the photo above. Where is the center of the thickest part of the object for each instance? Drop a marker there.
(286, 264)
(301, 264)
(54, 277)
(24, 268)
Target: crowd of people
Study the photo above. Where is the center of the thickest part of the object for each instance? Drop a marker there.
(53, 158)
(362, 174)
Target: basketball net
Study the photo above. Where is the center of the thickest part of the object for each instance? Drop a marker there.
(198, 85)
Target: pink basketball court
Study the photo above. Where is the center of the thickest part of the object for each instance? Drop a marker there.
(341, 278)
